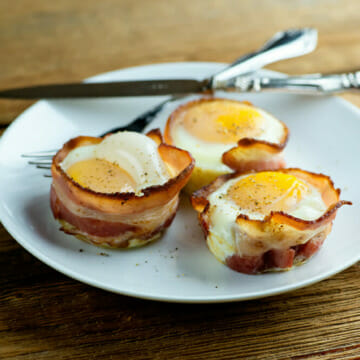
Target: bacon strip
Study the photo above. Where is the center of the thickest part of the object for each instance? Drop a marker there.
(257, 155)
(274, 259)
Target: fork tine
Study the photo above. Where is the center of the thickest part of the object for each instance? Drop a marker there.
(40, 154)
(40, 162)
(43, 167)
(47, 175)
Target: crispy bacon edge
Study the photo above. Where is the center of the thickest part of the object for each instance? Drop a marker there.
(274, 259)
(125, 205)
(249, 154)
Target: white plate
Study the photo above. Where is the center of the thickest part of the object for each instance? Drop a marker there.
(324, 138)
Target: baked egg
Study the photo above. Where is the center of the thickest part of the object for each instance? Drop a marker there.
(122, 162)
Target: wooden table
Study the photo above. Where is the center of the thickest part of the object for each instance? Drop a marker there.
(45, 315)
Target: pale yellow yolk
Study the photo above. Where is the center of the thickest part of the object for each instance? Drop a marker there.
(268, 191)
(223, 122)
(101, 176)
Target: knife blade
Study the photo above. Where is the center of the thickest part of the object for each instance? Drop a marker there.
(108, 89)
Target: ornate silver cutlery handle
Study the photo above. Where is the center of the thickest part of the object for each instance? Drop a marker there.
(306, 84)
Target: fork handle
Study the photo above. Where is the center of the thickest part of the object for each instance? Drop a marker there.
(306, 84)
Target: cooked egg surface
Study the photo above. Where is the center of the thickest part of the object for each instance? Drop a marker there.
(267, 191)
(256, 195)
(122, 162)
(211, 128)
(101, 176)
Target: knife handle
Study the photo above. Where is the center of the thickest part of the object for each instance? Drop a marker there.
(283, 45)
(306, 84)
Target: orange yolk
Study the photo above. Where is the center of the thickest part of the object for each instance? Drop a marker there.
(222, 121)
(268, 191)
(101, 176)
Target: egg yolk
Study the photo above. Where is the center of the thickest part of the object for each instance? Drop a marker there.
(101, 176)
(268, 191)
(222, 121)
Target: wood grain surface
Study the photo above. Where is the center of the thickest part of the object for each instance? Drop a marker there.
(45, 315)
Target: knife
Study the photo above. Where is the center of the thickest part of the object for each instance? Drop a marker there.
(283, 45)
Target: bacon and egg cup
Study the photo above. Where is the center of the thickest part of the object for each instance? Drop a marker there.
(226, 135)
(121, 191)
(267, 221)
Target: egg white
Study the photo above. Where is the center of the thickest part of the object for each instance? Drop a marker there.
(223, 213)
(208, 155)
(136, 153)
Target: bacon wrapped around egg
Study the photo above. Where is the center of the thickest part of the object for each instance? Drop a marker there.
(267, 221)
(121, 191)
(225, 135)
